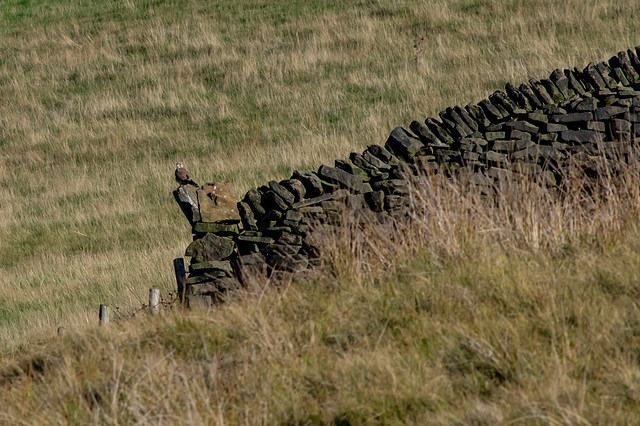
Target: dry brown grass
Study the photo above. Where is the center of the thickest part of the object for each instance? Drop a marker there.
(504, 307)
(97, 102)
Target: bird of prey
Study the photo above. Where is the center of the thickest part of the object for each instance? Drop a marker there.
(182, 176)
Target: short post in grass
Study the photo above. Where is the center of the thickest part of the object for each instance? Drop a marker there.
(104, 315)
(181, 277)
(154, 301)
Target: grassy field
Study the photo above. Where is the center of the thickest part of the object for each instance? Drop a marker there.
(98, 100)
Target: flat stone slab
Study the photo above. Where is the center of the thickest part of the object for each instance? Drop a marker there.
(212, 265)
(337, 195)
(210, 247)
(217, 203)
(215, 227)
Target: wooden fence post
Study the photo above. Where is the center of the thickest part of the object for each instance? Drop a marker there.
(181, 277)
(154, 301)
(104, 315)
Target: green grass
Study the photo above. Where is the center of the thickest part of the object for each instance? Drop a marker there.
(98, 100)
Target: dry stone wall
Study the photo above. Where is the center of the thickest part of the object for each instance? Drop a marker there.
(531, 129)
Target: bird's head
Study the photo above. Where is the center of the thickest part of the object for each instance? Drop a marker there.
(179, 165)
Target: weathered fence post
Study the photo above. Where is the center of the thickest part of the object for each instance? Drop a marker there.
(154, 301)
(181, 277)
(104, 315)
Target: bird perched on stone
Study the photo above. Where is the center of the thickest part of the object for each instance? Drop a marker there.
(182, 176)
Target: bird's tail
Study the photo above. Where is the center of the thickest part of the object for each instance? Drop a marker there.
(194, 184)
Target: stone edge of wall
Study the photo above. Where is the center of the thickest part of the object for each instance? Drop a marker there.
(531, 129)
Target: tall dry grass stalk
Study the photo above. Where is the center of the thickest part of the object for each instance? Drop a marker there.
(595, 201)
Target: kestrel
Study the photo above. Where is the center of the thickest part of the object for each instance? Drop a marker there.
(182, 176)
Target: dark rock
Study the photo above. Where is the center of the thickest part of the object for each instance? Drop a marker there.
(594, 77)
(493, 158)
(500, 98)
(478, 115)
(517, 134)
(210, 247)
(311, 182)
(436, 127)
(572, 117)
(247, 217)
(609, 111)
(553, 128)
(295, 187)
(523, 143)
(252, 259)
(293, 216)
(526, 90)
(536, 151)
(622, 60)
(619, 129)
(376, 162)
(618, 76)
(254, 199)
(359, 161)
(548, 137)
(589, 104)
(426, 136)
(352, 169)
(574, 83)
(634, 60)
(492, 136)
(562, 83)
(247, 248)
(402, 144)
(540, 92)
(522, 126)
(518, 97)
(204, 277)
(274, 201)
(580, 136)
(490, 111)
(425, 166)
(392, 186)
(598, 126)
(383, 155)
(605, 73)
(537, 118)
(496, 102)
(456, 123)
(553, 90)
(215, 227)
(282, 192)
(503, 146)
(256, 238)
(341, 177)
(337, 195)
(475, 144)
(468, 119)
(212, 265)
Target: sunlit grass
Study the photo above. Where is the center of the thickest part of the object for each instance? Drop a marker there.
(98, 101)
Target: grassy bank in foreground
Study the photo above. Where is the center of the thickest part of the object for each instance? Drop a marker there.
(513, 307)
(485, 337)
(98, 100)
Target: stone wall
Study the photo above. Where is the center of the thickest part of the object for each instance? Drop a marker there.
(532, 129)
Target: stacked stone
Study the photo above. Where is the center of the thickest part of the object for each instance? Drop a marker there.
(533, 129)
(213, 250)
